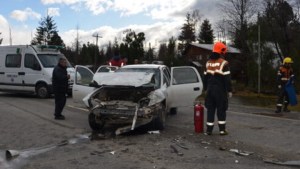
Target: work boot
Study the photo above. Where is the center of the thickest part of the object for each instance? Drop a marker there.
(278, 110)
(222, 128)
(60, 117)
(209, 130)
(223, 133)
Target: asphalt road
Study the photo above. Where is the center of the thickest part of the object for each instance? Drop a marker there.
(27, 125)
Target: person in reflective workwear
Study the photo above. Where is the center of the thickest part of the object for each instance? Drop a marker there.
(285, 73)
(116, 60)
(217, 84)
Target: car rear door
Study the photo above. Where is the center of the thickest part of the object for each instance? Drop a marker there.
(81, 88)
(186, 85)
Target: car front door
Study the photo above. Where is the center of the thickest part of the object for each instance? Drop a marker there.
(81, 86)
(186, 85)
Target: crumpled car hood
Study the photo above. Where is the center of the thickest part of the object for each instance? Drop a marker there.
(135, 79)
(155, 96)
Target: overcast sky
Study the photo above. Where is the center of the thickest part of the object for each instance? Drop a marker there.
(158, 19)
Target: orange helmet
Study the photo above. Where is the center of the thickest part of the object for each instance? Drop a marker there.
(220, 48)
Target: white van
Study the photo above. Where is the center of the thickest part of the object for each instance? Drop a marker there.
(28, 68)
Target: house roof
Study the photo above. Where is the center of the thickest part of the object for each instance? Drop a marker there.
(210, 46)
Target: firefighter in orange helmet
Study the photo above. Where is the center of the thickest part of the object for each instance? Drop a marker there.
(217, 84)
(285, 73)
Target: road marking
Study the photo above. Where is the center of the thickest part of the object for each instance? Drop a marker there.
(79, 108)
(265, 116)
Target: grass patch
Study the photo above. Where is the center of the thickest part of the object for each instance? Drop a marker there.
(261, 100)
(249, 98)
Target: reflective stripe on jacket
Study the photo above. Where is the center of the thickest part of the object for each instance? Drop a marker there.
(216, 66)
(284, 74)
(217, 73)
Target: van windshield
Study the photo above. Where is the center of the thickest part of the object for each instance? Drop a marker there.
(51, 60)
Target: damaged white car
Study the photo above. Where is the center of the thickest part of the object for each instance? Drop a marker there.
(135, 95)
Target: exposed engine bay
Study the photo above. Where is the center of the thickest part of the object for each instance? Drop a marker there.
(127, 105)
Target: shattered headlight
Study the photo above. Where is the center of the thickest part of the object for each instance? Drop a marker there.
(144, 102)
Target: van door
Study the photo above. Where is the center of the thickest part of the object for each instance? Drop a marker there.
(32, 70)
(186, 86)
(13, 78)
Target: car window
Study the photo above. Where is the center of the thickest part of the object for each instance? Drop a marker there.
(31, 62)
(83, 76)
(184, 75)
(155, 80)
(13, 60)
(166, 77)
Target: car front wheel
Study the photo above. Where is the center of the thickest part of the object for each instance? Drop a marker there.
(96, 122)
(42, 91)
(160, 121)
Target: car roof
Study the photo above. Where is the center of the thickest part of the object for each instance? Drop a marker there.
(143, 66)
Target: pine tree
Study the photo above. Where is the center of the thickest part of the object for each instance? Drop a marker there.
(206, 33)
(47, 34)
(187, 33)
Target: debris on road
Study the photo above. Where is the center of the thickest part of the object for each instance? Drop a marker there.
(285, 163)
(180, 144)
(97, 136)
(154, 132)
(113, 152)
(10, 154)
(240, 152)
(205, 142)
(176, 151)
(222, 148)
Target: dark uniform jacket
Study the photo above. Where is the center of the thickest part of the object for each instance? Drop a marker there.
(217, 73)
(60, 79)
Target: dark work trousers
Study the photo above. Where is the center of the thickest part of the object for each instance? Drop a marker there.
(283, 98)
(60, 102)
(216, 100)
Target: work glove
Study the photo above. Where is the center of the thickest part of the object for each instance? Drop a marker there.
(229, 94)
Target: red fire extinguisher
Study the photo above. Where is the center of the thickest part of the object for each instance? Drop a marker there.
(198, 118)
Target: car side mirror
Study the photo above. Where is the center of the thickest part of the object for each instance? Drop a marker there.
(94, 84)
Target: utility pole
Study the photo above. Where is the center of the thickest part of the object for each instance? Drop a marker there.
(10, 39)
(96, 35)
(1, 38)
(258, 58)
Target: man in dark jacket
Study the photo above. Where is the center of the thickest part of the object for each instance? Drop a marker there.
(60, 78)
(217, 82)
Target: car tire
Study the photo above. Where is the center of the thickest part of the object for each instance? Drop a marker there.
(160, 121)
(95, 122)
(42, 91)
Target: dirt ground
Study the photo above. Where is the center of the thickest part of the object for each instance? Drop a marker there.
(27, 125)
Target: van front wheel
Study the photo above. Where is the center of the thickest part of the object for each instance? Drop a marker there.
(42, 91)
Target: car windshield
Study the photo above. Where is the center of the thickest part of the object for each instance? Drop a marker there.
(51, 60)
(156, 79)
